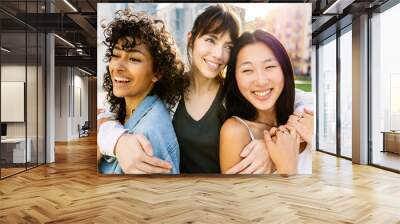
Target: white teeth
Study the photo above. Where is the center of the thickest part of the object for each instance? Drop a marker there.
(211, 64)
(263, 93)
(118, 79)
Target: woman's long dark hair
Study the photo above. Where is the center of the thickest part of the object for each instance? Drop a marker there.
(138, 28)
(236, 103)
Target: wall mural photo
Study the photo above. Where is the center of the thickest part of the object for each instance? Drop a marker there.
(204, 88)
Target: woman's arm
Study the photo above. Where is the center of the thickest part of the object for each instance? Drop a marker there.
(303, 105)
(303, 100)
(254, 160)
(109, 132)
(304, 124)
(234, 136)
(99, 123)
(133, 151)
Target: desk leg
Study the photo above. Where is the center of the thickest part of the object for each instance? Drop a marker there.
(384, 142)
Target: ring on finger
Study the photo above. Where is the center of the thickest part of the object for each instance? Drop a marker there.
(284, 131)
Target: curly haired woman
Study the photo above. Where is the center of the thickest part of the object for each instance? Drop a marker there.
(143, 72)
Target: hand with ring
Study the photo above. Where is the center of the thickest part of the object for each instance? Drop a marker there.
(303, 123)
(283, 148)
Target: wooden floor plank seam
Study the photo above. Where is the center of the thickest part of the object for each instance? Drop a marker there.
(70, 191)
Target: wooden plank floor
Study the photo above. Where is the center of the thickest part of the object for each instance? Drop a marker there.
(10, 171)
(69, 191)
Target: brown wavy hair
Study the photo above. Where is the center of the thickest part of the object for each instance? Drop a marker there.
(215, 19)
(136, 28)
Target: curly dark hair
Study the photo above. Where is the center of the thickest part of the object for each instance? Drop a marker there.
(136, 28)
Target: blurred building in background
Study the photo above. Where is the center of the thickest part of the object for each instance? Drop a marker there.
(291, 24)
(179, 19)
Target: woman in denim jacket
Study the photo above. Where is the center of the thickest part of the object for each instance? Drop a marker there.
(142, 73)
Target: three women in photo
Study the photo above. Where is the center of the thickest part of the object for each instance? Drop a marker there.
(209, 100)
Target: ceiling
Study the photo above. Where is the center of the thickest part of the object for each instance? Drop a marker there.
(76, 23)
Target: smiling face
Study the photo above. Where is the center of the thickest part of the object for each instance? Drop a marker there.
(210, 54)
(259, 76)
(131, 71)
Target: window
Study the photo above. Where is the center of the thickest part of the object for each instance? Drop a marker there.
(346, 93)
(327, 96)
(385, 89)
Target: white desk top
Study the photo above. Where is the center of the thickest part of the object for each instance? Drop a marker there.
(13, 140)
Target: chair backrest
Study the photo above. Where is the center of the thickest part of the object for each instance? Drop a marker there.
(86, 125)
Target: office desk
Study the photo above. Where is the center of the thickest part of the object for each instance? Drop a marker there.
(13, 150)
(391, 141)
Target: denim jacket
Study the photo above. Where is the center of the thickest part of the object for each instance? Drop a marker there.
(151, 119)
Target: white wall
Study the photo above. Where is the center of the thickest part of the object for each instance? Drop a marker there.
(71, 94)
(80, 109)
(61, 103)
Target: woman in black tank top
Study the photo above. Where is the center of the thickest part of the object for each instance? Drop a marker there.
(198, 118)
